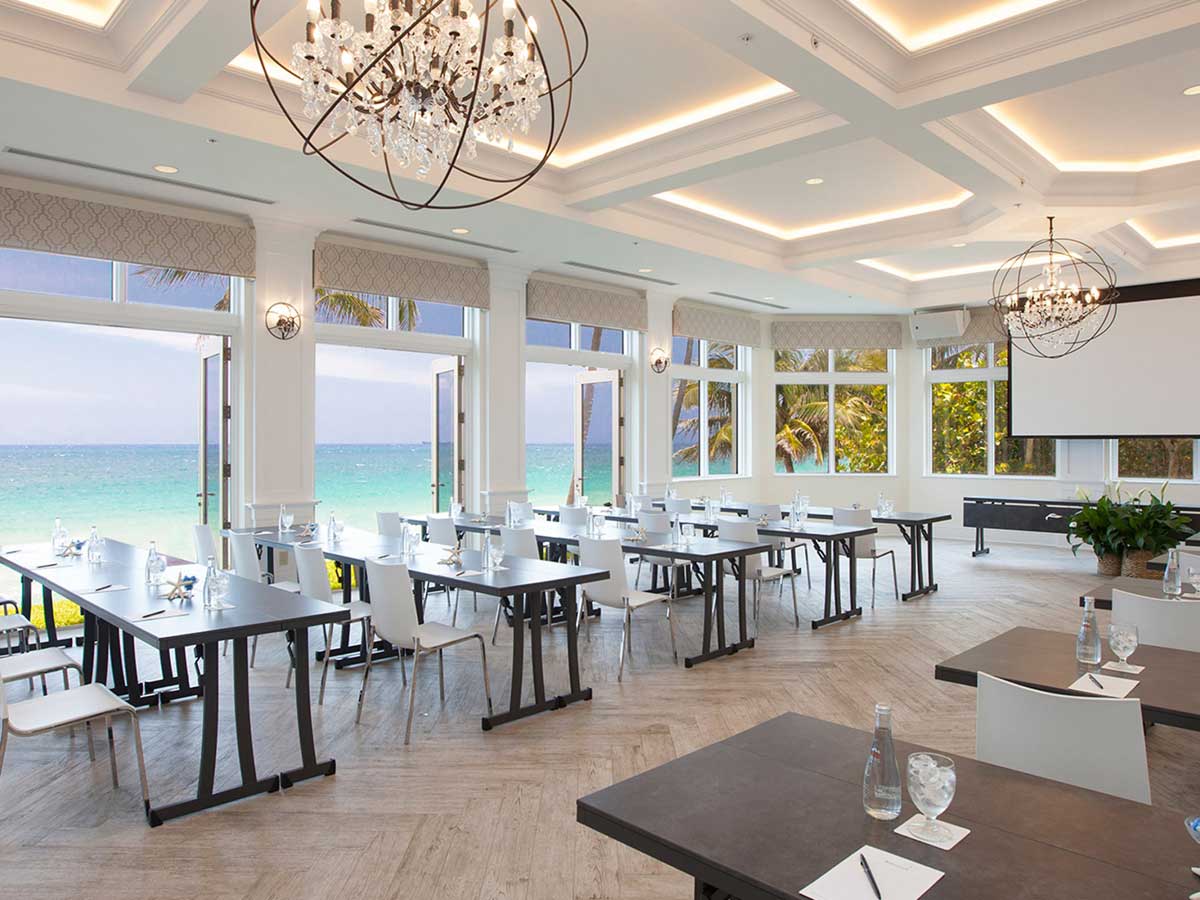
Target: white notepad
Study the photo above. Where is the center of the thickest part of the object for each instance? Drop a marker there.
(111, 589)
(898, 878)
(1113, 687)
(168, 614)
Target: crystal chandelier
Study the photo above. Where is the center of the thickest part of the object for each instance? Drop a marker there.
(1055, 297)
(423, 82)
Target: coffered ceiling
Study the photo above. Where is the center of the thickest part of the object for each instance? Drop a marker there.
(694, 134)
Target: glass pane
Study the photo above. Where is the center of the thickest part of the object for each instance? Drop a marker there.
(958, 356)
(685, 351)
(801, 360)
(596, 421)
(349, 308)
(1019, 456)
(959, 428)
(49, 273)
(427, 317)
(801, 428)
(177, 287)
(1155, 458)
(211, 443)
(547, 334)
(605, 340)
(874, 360)
(722, 356)
(1000, 353)
(685, 428)
(860, 422)
(445, 439)
(722, 428)
(550, 431)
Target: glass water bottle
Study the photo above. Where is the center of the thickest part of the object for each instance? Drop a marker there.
(881, 780)
(94, 547)
(1087, 644)
(212, 597)
(155, 566)
(1172, 579)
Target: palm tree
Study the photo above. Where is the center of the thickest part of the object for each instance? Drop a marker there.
(721, 413)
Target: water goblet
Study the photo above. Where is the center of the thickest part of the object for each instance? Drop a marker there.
(688, 530)
(931, 784)
(1193, 579)
(496, 553)
(287, 518)
(1123, 640)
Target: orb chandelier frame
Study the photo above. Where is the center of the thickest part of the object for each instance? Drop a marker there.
(472, 89)
(1055, 297)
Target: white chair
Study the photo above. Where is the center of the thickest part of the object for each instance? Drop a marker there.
(675, 505)
(746, 531)
(774, 513)
(16, 624)
(440, 530)
(84, 705)
(1160, 623)
(40, 663)
(864, 547)
(521, 543)
(205, 544)
(522, 510)
(615, 593)
(246, 564)
(314, 583)
(1090, 742)
(573, 516)
(395, 620)
(657, 526)
(389, 524)
(644, 501)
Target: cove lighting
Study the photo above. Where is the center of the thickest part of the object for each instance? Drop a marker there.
(958, 246)
(1183, 240)
(952, 28)
(814, 181)
(96, 13)
(934, 274)
(166, 170)
(791, 234)
(1193, 91)
(645, 270)
(460, 230)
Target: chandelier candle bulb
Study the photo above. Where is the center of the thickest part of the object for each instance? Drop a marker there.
(314, 11)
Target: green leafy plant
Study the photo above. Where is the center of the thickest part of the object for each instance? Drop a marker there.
(1151, 523)
(1100, 525)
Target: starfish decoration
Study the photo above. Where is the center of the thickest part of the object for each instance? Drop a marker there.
(454, 557)
(181, 587)
(305, 532)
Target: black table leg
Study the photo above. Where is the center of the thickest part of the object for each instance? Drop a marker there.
(714, 572)
(89, 647)
(533, 603)
(833, 587)
(26, 596)
(310, 767)
(852, 562)
(980, 548)
(708, 617)
(921, 579)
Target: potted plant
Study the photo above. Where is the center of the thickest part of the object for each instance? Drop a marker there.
(1148, 526)
(1099, 525)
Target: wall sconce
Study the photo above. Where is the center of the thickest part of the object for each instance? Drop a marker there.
(659, 360)
(283, 321)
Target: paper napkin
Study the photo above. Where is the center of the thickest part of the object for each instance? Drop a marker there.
(169, 614)
(1116, 667)
(898, 878)
(956, 832)
(1113, 687)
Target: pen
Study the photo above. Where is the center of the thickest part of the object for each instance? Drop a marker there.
(1095, 681)
(47, 565)
(870, 877)
(103, 587)
(157, 612)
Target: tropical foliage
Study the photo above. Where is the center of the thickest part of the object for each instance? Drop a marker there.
(721, 439)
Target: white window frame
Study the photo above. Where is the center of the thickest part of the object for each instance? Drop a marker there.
(628, 339)
(739, 377)
(990, 373)
(830, 379)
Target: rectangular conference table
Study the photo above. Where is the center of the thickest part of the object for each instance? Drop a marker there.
(1101, 593)
(523, 581)
(764, 813)
(121, 615)
(705, 554)
(1045, 660)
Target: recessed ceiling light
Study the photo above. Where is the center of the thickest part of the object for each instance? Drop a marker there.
(460, 230)
(645, 270)
(814, 181)
(768, 298)
(958, 246)
(166, 170)
(1193, 91)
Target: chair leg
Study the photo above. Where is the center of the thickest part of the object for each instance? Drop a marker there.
(87, 726)
(496, 625)
(475, 599)
(638, 575)
(454, 615)
(807, 567)
(412, 691)
(253, 650)
(141, 759)
(587, 620)
(874, 563)
(895, 580)
(487, 685)
(624, 640)
(324, 666)
(442, 675)
(671, 626)
(112, 749)
(225, 649)
(3, 739)
(362, 688)
(44, 689)
(795, 605)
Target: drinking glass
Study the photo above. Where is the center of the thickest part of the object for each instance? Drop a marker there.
(414, 540)
(496, 553)
(456, 509)
(931, 783)
(1123, 640)
(1193, 579)
(287, 517)
(688, 530)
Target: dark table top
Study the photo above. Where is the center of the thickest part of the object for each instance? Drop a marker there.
(826, 512)
(818, 531)
(1146, 587)
(256, 608)
(1046, 660)
(765, 812)
(517, 575)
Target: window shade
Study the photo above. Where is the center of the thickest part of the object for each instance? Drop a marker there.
(50, 223)
(563, 301)
(983, 328)
(714, 323)
(850, 333)
(367, 269)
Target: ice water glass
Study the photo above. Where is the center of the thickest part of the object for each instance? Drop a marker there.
(1123, 640)
(496, 552)
(931, 784)
(688, 530)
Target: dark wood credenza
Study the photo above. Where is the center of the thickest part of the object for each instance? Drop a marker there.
(1030, 514)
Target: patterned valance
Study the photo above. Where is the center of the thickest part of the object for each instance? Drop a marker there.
(367, 269)
(49, 223)
(983, 328)
(848, 333)
(715, 323)
(565, 301)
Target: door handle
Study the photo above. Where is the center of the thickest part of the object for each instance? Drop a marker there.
(1052, 516)
(209, 494)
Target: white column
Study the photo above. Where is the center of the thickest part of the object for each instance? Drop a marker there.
(277, 379)
(500, 400)
(655, 425)
(762, 420)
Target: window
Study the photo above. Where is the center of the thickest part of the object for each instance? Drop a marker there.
(49, 273)
(706, 401)
(547, 334)
(602, 340)
(685, 351)
(390, 313)
(832, 411)
(968, 417)
(177, 287)
(685, 436)
(1157, 458)
(570, 336)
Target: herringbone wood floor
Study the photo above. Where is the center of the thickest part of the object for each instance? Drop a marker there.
(468, 814)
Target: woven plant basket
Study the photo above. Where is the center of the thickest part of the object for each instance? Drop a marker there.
(1108, 564)
(1135, 562)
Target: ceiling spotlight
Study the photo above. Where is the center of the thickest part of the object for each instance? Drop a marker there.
(645, 270)
(958, 246)
(460, 230)
(166, 170)
(768, 298)
(814, 181)
(1193, 91)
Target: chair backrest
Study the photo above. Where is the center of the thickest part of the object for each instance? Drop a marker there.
(1188, 561)
(744, 531)
(522, 510)
(657, 522)
(755, 511)
(313, 576)
(1160, 623)
(245, 556)
(393, 610)
(574, 516)
(605, 553)
(520, 542)
(864, 547)
(1090, 742)
(389, 524)
(442, 531)
(205, 544)
(678, 504)
(644, 501)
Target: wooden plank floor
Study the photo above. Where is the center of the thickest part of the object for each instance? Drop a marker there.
(467, 814)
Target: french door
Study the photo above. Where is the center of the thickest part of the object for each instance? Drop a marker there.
(212, 498)
(599, 435)
(447, 419)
